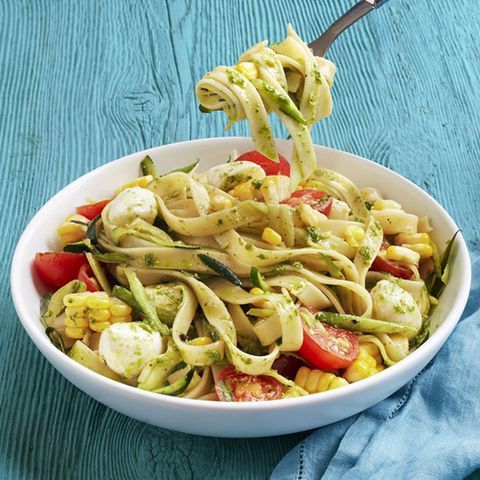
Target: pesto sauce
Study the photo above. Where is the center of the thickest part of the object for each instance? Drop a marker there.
(235, 78)
(367, 253)
(257, 184)
(317, 74)
(149, 260)
(214, 355)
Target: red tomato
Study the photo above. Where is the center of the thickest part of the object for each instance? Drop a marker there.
(383, 265)
(310, 196)
(233, 386)
(56, 269)
(91, 210)
(282, 167)
(330, 350)
(85, 274)
(288, 366)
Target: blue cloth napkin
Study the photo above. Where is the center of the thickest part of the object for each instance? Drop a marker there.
(429, 429)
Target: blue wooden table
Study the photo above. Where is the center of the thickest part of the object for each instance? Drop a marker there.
(82, 83)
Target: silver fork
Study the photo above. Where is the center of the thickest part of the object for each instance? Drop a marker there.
(322, 44)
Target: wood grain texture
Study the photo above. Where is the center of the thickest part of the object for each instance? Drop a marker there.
(82, 83)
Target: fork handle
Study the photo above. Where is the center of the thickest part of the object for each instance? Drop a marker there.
(359, 10)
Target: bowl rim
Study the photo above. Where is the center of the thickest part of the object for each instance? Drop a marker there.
(424, 351)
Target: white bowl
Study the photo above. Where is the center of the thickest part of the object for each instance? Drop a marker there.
(220, 418)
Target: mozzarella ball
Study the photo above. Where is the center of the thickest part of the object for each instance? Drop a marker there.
(228, 175)
(127, 347)
(393, 304)
(133, 203)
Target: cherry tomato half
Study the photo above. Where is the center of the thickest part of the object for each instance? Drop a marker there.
(315, 198)
(56, 269)
(282, 167)
(85, 274)
(91, 210)
(233, 386)
(383, 265)
(329, 349)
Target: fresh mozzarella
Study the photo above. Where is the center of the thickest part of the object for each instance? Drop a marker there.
(133, 203)
(127, 347)
(393, 304)
(228, 175)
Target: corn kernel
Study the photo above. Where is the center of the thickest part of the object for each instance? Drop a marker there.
(358, 370)
(271, 236)
(76, 321)
(368, 359)
(75, 299)
(337, 382)
(402, 238)
(301, 376)
(311, 380)
(256, 291)
(138, 182)
(402, 254)
(119, 308)
(201, 341)
(354, 236)
(75, 332)
(314, 380)
(121, 319)
(219, 202)
(386, 205)
(99, 315)
(364, 366)
(76, 311)
(99, 326)
(95, 310)
(423, 249)
(372, 350)
(323, 383)
(245, 191)
(98, 300)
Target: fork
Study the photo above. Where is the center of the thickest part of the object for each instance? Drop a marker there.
(322, 44)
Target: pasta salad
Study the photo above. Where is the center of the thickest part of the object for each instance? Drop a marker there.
(256, 279)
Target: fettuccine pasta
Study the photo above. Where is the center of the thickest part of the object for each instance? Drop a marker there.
(251, 280)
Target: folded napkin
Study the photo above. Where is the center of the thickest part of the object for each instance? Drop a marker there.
(429, 429)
